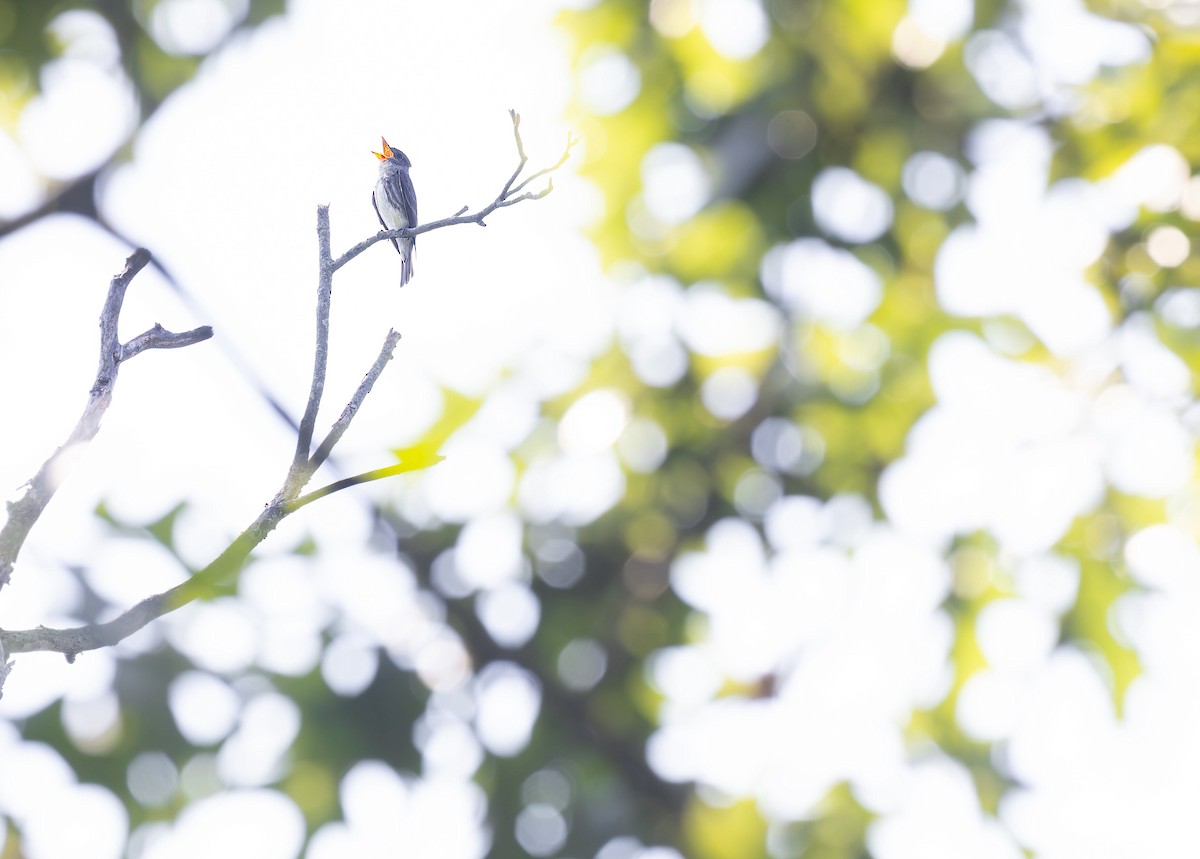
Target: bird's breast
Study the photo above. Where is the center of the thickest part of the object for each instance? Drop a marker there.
(391, 213)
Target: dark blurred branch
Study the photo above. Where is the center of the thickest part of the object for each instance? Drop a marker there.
(142, 62)
(571, 713)
(24, 513)
(508, 196)
(78, 196)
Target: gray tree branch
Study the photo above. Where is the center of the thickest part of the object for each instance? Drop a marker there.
(503, 199)
(220, 576)
(300, 471)
(24, 512)
(343, 422)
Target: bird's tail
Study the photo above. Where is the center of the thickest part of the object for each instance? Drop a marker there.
(406, 264)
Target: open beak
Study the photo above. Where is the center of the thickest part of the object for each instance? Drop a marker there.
(387, 151)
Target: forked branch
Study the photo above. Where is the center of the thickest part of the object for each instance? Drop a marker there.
(508, 196)
(221, 574)
(217, 578)
(25, 511)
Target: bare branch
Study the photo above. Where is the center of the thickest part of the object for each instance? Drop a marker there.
(218, 577)
(78, 639)
(300, 471)
(221, 575)
(508, 196)
(516, 121)
(160, 338)
(343, 423)
(347, 482)
(24, 513)
(110, 343)
(5, 667)
(571, 141)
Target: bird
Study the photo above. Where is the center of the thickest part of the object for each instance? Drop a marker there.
(395, 203)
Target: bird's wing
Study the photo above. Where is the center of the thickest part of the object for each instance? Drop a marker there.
(408, 200)
(395, 244)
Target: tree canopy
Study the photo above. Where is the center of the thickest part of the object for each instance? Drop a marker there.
(868, 527)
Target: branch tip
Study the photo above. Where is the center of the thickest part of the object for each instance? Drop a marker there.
(136, 261)
(508, 196)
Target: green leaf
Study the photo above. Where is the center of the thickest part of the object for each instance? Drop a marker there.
(457, 410)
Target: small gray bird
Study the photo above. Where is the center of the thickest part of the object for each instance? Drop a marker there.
(395, 203)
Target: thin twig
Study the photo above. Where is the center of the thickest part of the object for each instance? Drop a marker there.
(516, 121)
(5, 668)
(508, 196)
(160, 338)
(355, 480)
(559, 163)
(24, 513)
(343, 423)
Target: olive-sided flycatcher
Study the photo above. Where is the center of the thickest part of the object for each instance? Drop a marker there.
(395, 203)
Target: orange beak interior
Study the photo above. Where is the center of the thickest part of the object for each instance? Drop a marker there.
(387, 151)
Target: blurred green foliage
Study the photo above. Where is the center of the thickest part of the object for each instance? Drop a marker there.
(153, 51)
(832, 63)
(156, 66)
